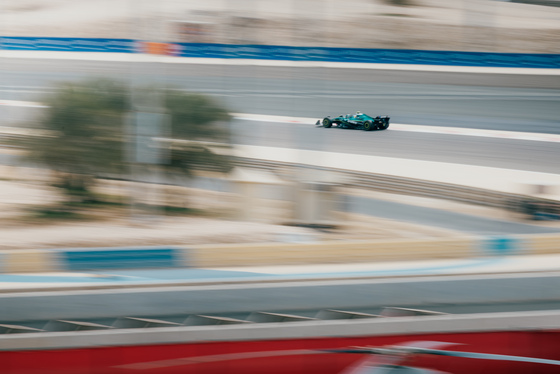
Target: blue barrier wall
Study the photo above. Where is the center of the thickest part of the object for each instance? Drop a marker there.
(120, 258)
(287, 53)
(502, 245)
(67, 44)
(379, 56)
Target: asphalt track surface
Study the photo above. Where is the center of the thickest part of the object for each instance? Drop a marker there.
(470, 150)
(526, 103)
(537, 156)
(443, 219)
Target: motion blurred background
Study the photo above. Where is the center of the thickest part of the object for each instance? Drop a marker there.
(303, 91)
(481, 25)
(148, 142)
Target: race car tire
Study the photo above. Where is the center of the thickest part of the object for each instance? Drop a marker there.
(382, 125)
(368, 126)
(327, 122)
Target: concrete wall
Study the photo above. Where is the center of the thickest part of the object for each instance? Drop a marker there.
(332, 252)
(223, 255)
(353, 294)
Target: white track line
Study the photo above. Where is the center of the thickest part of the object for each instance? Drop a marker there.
(513, 135)
(27, 104)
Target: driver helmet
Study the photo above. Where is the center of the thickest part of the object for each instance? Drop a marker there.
(358, 113)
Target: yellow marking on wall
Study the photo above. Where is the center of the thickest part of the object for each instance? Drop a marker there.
(543, 244)
(330, 252)
(23, 261)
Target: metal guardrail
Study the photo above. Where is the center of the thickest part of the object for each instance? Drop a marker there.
(78, 325)
(413, 187)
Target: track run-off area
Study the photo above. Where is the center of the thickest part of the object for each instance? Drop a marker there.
(484, 127)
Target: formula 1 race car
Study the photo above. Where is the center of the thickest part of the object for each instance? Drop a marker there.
(357, 121)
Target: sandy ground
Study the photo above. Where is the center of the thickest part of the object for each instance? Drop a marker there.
(219, 223)
(224, 218)
(429, 24)
(426, 24)
(192, 230)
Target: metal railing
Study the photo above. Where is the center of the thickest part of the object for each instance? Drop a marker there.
(410, 186)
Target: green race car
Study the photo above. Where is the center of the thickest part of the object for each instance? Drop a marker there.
(357, 121)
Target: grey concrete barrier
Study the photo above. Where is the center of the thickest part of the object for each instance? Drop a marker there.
(416, 292)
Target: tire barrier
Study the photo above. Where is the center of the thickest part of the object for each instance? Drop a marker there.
(286, 53)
